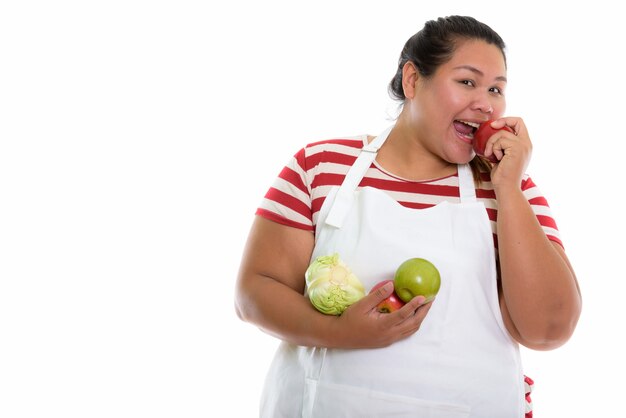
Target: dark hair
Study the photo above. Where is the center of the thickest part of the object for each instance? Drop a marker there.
(435, 44)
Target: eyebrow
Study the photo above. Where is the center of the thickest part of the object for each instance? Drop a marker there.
(477, 71)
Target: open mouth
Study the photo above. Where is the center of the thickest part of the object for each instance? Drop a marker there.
(466, 128)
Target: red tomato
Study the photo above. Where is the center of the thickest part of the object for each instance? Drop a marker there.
(482, 135)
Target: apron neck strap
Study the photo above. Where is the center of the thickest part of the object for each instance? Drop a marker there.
(377, 142)
(467, 191)
(343, 199)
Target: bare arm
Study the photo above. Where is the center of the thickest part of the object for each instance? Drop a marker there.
(539, 294)
(269, 294)
(539, 297)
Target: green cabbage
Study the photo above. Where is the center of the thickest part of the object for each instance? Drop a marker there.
(332, 287)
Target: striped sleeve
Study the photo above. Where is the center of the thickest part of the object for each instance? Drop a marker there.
(298, 193)
(540, 207)
(288, 200)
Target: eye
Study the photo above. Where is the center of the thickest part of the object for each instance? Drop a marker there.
(497, 90)
(468, 83)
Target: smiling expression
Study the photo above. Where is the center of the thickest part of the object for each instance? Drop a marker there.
(462, 93)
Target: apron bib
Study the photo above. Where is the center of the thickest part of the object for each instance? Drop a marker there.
(460, 363)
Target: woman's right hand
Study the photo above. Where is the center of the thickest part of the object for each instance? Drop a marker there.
(362, 326)
(270, 294)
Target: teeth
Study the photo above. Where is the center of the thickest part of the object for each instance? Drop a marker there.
(472, 124)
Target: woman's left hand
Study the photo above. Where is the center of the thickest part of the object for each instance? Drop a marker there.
(512, 149)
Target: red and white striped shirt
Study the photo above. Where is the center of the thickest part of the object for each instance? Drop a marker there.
(298, 193)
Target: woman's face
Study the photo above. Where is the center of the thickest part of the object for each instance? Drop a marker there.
(463, 92)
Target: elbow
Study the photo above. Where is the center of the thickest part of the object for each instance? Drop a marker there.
(242, 305)
(553, 334)
(550, 340)
(239, 312)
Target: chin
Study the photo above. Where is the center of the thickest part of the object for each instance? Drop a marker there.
(459, 156)
(458, 159)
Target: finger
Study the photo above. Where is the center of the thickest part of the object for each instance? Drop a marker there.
(498, 151)
(413, 324)
(498, 142)
(489, 147)
(514, 123)
(408, 310)
(504, 142)
(371, 300)
(417, 302)
(498, 123)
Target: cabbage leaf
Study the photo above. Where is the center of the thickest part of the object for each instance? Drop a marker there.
(331, 285)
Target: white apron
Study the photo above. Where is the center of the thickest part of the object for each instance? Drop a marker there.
(460, 363)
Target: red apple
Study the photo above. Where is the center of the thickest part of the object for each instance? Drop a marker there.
(391, 303)
(482, 135)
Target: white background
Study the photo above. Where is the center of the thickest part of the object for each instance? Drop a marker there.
(138, 137)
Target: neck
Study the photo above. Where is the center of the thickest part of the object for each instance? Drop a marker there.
(405, 155)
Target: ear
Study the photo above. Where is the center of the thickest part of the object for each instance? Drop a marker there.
(409, 79)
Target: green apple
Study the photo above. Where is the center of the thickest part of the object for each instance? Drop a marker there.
(415, 277)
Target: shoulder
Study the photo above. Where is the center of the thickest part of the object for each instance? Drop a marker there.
(351, 145)
(335, 150)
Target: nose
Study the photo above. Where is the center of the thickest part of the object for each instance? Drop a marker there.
(483, 105)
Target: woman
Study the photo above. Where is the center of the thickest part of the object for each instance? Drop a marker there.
(422, 192)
